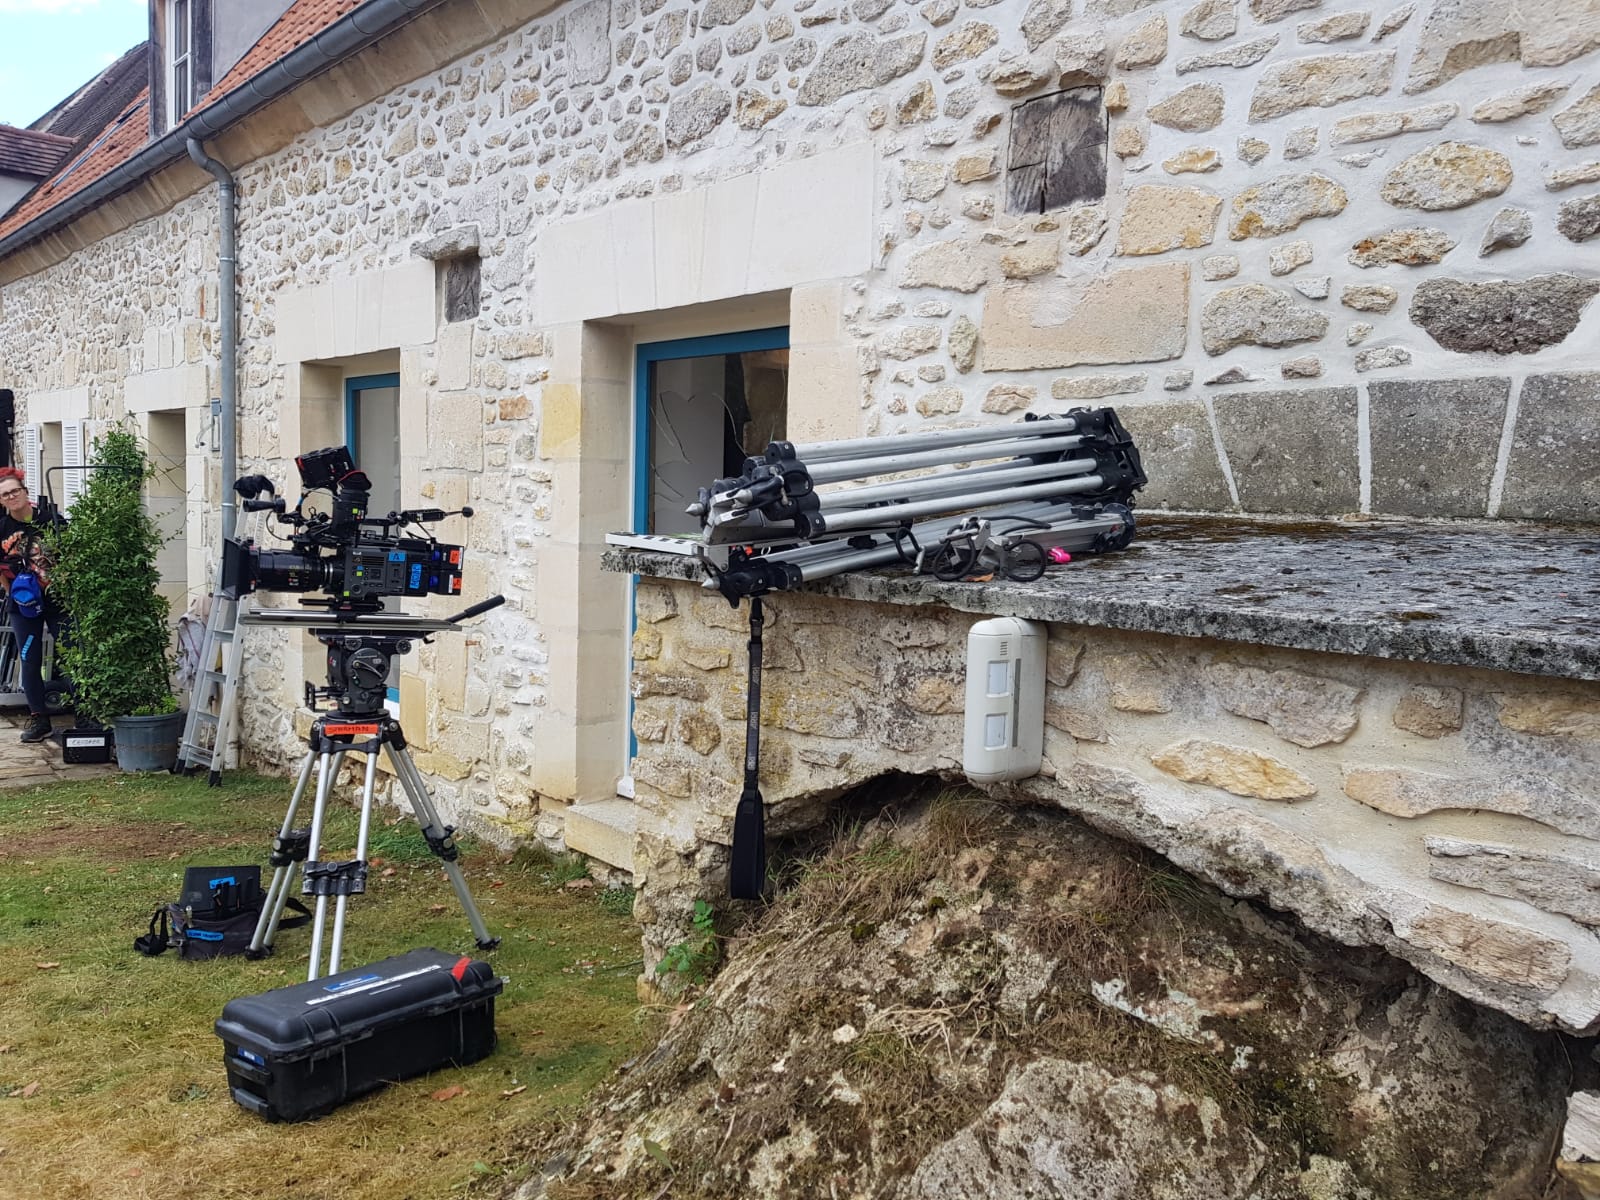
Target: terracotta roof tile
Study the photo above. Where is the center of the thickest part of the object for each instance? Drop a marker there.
(28, 152)
(120, 141)
(302, 22)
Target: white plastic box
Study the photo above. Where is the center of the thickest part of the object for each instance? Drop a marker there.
(1005, 700)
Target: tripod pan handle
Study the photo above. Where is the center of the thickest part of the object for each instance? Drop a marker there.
(482, 606)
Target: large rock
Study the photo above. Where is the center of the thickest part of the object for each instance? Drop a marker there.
(1434, 445)
(1552, 882)
(1503, 316)
(1512, 955)
(1140, 314)
(1156, 219)
(1449, 175)
(1307, 710)
(1195, 109)
(1551, 472)
(1236, 769)
(859, 61)
(1320, 82)
(1292, 451)
(1579, 125)
(1405, 247)
(1460, 35)
(1254, 314)
(589, 42)
(1282, 203)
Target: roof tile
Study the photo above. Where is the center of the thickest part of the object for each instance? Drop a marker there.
(28, 152)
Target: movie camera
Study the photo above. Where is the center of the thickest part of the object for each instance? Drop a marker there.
(357, 559)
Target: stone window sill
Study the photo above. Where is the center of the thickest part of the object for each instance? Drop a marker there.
(1503, 597)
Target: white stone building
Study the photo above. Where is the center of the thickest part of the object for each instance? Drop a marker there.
(555, 261)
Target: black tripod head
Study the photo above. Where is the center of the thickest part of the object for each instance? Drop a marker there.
(358, 670)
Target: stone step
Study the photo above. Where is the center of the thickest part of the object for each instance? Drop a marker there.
(604, 829)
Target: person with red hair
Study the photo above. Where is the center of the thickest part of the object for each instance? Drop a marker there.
(29, 604)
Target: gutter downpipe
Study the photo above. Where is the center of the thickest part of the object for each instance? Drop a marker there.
(228, 317)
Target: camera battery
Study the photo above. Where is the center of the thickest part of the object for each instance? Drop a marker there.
(299, 1052)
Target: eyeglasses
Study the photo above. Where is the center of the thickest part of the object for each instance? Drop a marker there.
(13, 492)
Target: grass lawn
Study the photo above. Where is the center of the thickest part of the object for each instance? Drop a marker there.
(111, 1078)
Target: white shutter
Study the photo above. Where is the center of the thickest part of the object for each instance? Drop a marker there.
(71, 456)
(31, 459)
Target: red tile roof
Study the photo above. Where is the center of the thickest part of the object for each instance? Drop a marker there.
(302, 22)
(116, 144)
(27, 152)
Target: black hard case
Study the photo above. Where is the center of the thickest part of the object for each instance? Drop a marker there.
(301, 1051)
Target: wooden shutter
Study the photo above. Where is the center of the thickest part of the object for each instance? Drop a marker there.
(71, 456)
(32, 464)
(1058, 152)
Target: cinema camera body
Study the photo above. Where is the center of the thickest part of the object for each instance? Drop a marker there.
(356, 559)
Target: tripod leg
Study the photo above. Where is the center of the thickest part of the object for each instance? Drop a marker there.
(319, 809)
(278, 892)
(337, 945)
(434, 830)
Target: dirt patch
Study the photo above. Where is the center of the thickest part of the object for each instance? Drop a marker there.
(108, 843)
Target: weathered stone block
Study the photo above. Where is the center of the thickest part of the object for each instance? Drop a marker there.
(692, 115)
(1406, 247)
(1337, 28)
(1381, 358)
(1369, 297)
(1578, 219)
(1196, 160)
(1156, 219)
(959, 45)
(1095, 387)
(954, 264)
(1244, 54)
(1579, 124)
(1254, 314)
(1449, 175)
(1135, 315)
(1145, 46)
(1267, 11)
(1210, 20)
(1434, 445)
(1552, 882)
(1492, 949)
(1300, 708)
(859, 61)
(455, 431)
(1290, 256)
(1236, 769)
(1520, 102)
(1194, 110)
(1282, 203)
(1292, 451)
(1430, 712)
(1321, 81)
(1138, 684)
(1503, 316)
(1402, 792)
(1370, 127)
(1547, 715)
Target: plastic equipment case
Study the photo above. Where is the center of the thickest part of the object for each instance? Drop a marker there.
(301, 1051)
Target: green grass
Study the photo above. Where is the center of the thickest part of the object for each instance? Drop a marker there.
(127, 1096)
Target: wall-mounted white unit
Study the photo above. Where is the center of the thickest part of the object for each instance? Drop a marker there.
(1005, 700)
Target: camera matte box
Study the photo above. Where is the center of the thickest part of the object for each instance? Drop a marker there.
(299, 1052)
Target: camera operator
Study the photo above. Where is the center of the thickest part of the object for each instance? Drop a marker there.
(24, 544)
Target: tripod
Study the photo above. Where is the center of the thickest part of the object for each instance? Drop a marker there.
(358, 671)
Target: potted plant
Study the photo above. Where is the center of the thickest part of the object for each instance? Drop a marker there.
(118, 653)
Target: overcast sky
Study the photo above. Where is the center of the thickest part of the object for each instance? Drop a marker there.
(48, 48)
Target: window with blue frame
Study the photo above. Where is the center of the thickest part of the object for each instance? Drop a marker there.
(702, 405)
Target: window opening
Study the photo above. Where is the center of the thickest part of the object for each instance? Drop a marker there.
(372, 431)
(180, 39)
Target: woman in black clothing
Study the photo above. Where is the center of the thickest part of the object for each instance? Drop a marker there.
(23, 529)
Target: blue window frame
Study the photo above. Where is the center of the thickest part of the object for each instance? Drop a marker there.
(361, 383)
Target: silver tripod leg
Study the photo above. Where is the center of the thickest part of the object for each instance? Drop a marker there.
(433, 828)
(336, 946)
(319, 809)
(283, 877)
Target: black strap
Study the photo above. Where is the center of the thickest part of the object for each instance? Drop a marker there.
(295, 922)
(153, 943)
(747, 868)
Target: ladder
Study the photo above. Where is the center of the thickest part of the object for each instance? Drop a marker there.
(214, 701)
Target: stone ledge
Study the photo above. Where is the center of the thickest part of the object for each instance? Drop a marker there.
(1502, 597)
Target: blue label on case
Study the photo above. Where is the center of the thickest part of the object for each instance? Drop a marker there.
(359, 981)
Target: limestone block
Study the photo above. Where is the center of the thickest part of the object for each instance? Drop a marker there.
(1589, 172)
(1578, 220)
(1552, 882)
(922, 180)
(1210, 20)
(941, 402)
(1394, 21)
(1232, 375)
(1376, 297)
(1081, 57)
(1381, 357)
(1219, 266)
(1406, 247)
(1337, 28)
(1430, 712)
(1267, 11)
(1034, 256)
(1289, 257)
(1502, 316)
(654, 602)
(645, 644)
(1252, 150)
(1292, 450)
(1374, 126)
(1156, 219)
(960, 45)
(1079, 723)
(1520, 102)
(650, 723)
(918, 105)
(455, 431)
(1579, 123)
(933, 695)
(1043, 20)
(692, 115)
(1180, 456)
(663, 775)
(1254, 314)
(648, 681)
(698, 730)
(1307, 366)
(1195, 109)
(1095, 387)
(1196, 160)
(859, 61)
(589, 40)
(1449, 175)
(1128, 141)
(1465, 34)
(701, 658)
(909, 341)
(753, 109)
(1490, 949)
(1314, 287)
(970, 168)
(1082, 227)
(1145, 46)
(1236, 769)
(1282, 203)
(954, 264)
(1115, 99)
(1321, 81)
(1401, 792)
(1301, 143)
(1009, 398)
(1139, 314)
(1245, 54)
(1434, 445)
(1177, 381)
(962, 344)
(1063, 654)
(1307, 710)
(1138, 684)
(1547, 715)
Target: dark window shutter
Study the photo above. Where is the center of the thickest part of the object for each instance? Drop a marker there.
(1058, 152)
(156, 56)
(200, 48)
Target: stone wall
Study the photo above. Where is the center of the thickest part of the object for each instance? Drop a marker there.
(1446, 814)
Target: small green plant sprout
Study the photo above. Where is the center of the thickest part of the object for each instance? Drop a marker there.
(693, 959)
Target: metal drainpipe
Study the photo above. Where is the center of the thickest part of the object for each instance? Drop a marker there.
(228, 317)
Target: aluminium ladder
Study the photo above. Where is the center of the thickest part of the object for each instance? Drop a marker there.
(213, 703)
